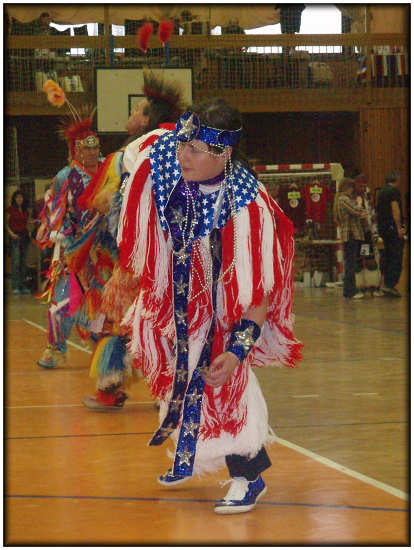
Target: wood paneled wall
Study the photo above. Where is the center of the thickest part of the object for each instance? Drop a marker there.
(384, 145)
(374, 141)
(41, 152)
(270, 137)
(279, 138)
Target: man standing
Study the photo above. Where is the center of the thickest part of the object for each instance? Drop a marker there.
(348, 216)
(111, 297)
(391, 230)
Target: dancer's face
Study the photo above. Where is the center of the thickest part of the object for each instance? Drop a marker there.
(138, 121)
(19, 200)
(87, 156)
(197, 161)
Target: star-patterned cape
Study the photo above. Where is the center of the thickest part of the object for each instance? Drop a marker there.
(262, 267)
(166, 173)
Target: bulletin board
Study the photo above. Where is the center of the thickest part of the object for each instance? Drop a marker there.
(118, 90)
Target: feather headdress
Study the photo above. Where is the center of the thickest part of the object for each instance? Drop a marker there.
(77, 129)
(165, 30)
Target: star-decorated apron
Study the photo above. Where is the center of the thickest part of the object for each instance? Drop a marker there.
(172, 197)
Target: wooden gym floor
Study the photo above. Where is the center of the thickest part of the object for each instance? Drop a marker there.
(339, 475)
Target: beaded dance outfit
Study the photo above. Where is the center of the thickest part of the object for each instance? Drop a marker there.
(111, 290)
(59, 222)
(60, 219)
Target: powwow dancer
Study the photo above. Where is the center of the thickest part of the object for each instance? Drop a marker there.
(214, 255)
(59, 220)
(110, 299)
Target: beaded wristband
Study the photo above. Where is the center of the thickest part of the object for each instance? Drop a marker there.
(244, 335)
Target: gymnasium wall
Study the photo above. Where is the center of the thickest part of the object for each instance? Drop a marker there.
(373, 141)
(41, 152)
(279, 138)
(385, 145)
(269, 137)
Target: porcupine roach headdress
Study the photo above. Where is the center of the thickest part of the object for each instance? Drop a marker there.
(166, 105)
(75, 129)
(165, 98)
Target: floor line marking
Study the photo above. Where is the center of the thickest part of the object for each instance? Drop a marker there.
(56, 436)
(68, 436)
(314, 456)
(365, 393)
(335, 466)
(201, 500)
(68, 405)
(67, 341)
(349, 323)
(336, 424)
(60, 370)
(347, 360)
(302, 396)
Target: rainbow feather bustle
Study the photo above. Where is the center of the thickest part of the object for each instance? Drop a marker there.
(110, 364)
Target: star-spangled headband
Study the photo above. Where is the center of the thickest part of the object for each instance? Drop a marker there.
(189, 127)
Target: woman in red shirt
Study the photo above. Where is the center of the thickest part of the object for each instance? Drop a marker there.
(16, 225)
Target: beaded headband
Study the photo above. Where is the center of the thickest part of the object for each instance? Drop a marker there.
(189, 127)
(89, 141)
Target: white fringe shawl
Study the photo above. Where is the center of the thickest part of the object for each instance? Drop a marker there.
(211, 453)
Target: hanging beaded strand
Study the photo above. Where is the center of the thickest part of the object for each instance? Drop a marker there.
(229, 190)
(228, 182)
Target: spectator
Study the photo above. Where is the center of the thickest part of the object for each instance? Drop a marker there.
(392, 231)
(41, 25)
(290, 20)
(348, 216)
(17, 218)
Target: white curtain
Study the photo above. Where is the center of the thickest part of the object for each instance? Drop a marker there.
(247, 16)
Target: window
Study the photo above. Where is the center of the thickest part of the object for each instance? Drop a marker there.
(315, 19)
(92, 31)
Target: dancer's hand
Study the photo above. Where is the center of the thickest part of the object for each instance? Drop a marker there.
(220, 369)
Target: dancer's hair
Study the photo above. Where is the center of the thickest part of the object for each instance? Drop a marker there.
(25, 203)
(165, 102)
(217, 113)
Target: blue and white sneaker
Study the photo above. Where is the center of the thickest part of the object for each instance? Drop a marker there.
(168, 479)
(242, 496)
